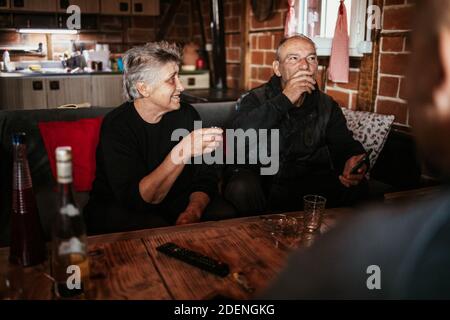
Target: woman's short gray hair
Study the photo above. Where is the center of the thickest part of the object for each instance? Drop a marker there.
(143, 63)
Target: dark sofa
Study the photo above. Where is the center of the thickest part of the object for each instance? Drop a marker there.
(397, 168)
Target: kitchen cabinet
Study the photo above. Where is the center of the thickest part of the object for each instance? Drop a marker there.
(86, 6)
(65, 90)
(145, 7)
(4, 4)
(23, 93)
(34, 5)
(42, 92)
(107, 90)
(115, 7)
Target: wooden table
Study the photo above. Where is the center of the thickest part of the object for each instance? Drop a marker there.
(127, 265)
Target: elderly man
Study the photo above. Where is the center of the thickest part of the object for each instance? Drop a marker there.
(317, 151)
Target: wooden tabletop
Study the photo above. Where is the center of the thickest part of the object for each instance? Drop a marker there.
(127, 265)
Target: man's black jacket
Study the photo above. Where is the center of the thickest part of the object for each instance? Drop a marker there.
(313, 137)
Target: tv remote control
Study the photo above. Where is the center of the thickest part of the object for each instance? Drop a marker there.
(194, 258)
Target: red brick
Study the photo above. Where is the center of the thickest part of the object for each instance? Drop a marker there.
(9, 37)
(269, 57)
(255, 24)
(403, 89)
(254, 84)
(397, 18)
(392, 2)
(353, 81)
(233, 54)
(281, 5)
(319, 78)
(253, 42)
(235, 40)
(408, 44)
(393, 63)
(342, 98)
(227, 10)
(398, 109)
(393, 44)
(233, 70)
(236, 9)
(265, 42)
(277, 37)
(265, 73)
(354, 99)
(257, 57)
(276, 21)
(232, 24)
(388, 87)
(254, 73)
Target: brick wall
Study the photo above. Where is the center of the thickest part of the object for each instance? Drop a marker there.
(264, 38)
(393, 59)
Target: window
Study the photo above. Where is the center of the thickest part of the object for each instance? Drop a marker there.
(318, 21)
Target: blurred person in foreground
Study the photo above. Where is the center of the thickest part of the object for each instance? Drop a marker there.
(144, 178)
(409, 244)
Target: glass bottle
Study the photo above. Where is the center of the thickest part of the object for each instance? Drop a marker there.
(27, 245)
(70, 264)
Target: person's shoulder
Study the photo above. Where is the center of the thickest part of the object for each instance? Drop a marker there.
(118, 117)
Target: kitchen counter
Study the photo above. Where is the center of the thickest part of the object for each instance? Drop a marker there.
(53, 74)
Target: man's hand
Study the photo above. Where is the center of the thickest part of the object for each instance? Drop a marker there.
(188, 216)
(348, 179)
(302, 81)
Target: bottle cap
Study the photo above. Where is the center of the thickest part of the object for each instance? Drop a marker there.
(18, 137)
(63, 153)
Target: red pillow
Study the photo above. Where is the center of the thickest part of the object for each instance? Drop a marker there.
(82, 135)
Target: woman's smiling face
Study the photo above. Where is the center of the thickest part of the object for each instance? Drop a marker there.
(165, 93)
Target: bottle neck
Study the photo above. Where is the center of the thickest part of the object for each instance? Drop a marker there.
(22, 176)
(64, 177)
(66, 193)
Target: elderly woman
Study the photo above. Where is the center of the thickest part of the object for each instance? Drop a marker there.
(143, 178)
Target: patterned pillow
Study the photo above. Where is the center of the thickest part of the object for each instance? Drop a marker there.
(370, 129)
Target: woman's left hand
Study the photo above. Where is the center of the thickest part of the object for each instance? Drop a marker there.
(188, 216)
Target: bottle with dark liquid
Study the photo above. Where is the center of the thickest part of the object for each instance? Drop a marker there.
(70, 265)
(27, 246)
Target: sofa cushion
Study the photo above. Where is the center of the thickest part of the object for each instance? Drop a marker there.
(82, 135)
(370, 129)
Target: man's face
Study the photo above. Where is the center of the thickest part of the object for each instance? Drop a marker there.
(295, 54)
(165, 94)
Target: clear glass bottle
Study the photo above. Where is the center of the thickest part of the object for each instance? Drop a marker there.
(70, 264)
(27, 245)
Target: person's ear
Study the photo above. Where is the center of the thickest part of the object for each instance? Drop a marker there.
(276, 68)
(143, 89)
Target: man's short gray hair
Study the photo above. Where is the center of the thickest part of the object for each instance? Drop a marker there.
(294, 36)
(143, 63)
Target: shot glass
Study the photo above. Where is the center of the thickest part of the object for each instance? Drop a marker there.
(314, 206)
